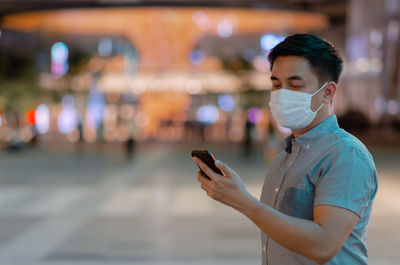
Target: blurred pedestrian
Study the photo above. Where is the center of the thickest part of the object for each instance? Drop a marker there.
(130, 143)
(248, 138)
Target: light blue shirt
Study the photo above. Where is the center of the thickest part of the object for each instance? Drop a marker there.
(325, 166)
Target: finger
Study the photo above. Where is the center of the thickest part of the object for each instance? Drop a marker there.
(201, 178)
(210, 194)
(224, 168)
(206, 184)
(204, 187)
(206, 169)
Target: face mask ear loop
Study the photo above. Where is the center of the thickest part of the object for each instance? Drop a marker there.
(320, 89)
(320, 107)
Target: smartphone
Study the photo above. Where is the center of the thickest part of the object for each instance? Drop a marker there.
(208, 159)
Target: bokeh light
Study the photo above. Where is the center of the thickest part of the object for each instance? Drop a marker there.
(30, 117)
(208, 114)
(197, 57)
(200, 19)
(59, 52)
(268, 41)
(193, 86)
(59, 56)
(67, 118)
(42, 119)
(225, 29)
(226, 102)
(104, 47)
(95, 110)
(255, 115)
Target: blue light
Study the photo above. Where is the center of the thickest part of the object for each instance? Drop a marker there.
(59, 56)
(269, 41)
(67, 120)
(95, 110)
(226, 102)
(207, 114)
(197, 57)
(104, 47)
(59, 52)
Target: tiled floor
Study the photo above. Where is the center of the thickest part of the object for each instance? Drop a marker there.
(68, 208)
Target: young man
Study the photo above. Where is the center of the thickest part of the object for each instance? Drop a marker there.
(317, 197)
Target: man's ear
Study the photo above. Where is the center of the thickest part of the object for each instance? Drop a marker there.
(329, 92)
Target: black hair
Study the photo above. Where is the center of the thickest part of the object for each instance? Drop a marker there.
(320, 54)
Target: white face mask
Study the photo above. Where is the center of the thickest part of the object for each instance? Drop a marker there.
(292, 109)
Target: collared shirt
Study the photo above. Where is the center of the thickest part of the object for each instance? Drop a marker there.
(325, 166)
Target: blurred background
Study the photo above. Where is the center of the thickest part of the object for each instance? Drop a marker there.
(102, 101)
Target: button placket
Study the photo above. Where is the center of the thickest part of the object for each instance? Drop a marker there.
(275, 197)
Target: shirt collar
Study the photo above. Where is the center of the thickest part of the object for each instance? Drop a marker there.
(327, 125)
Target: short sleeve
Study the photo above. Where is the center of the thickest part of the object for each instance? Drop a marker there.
(348, 179)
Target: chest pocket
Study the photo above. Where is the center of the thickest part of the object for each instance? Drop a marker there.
(297, 202)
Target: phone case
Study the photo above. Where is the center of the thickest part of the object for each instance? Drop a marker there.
(208, 159)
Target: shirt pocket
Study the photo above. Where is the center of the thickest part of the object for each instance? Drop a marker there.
(297, 202)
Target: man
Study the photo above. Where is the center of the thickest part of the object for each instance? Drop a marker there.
(317, 197)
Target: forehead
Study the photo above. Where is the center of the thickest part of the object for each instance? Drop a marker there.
(287, 66)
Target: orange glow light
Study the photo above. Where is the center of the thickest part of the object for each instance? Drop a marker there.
(30, 117)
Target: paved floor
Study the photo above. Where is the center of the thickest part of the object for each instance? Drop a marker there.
(95, 207)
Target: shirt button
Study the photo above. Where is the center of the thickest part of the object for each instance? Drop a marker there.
(308, 146)
(264, 249)
(276, 189)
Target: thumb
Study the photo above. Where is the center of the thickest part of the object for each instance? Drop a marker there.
(224, 168)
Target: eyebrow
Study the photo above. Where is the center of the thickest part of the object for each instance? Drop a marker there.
(293, 77)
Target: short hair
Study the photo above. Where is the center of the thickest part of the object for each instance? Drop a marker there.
(321, 55)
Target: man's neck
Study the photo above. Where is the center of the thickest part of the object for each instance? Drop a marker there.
(318, 119)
